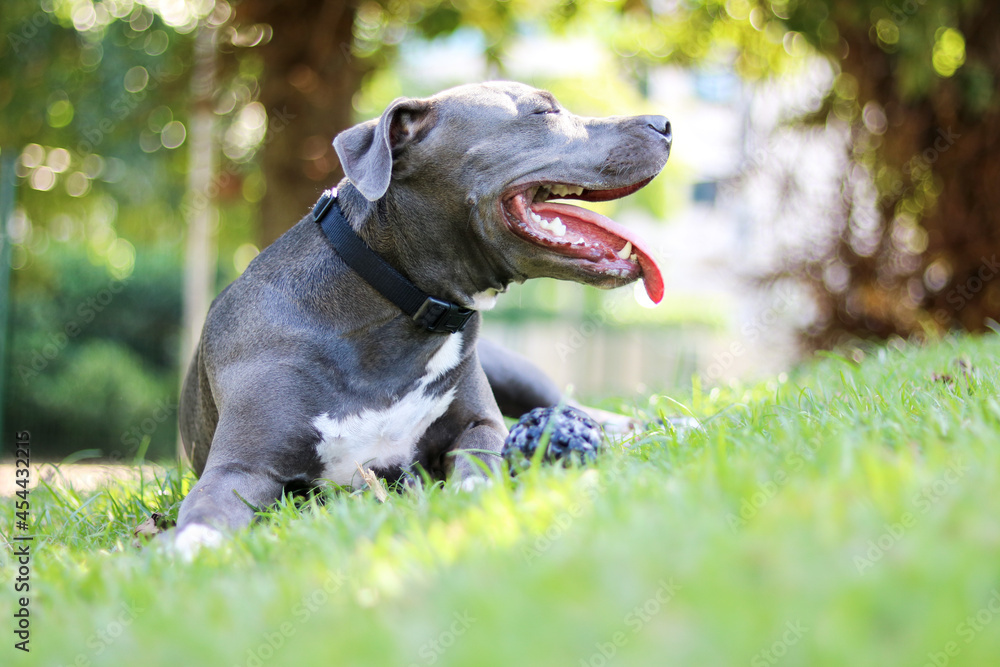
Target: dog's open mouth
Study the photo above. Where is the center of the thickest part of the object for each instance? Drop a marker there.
(606, 247)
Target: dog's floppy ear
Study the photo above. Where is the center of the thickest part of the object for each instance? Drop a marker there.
(366, 150)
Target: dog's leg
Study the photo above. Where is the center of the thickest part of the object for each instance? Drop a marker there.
(215, 506)
(223, 496)
(480, 438)
(484, 435)
(254, 454)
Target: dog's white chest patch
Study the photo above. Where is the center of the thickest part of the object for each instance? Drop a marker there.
(389, 436)
(485, 300)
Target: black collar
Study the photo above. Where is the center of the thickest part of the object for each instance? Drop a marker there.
(428, 313)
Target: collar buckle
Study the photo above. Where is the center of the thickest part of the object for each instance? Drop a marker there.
(321, 207)
(442, 316)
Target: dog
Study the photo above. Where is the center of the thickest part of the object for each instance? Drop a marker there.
(352, 340)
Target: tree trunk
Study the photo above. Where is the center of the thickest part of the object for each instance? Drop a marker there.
(308, 87)
(955, 281)
(200, 255)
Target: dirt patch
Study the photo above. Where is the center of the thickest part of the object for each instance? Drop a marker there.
(79, 476)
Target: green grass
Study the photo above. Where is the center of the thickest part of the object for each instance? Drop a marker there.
(846, 515)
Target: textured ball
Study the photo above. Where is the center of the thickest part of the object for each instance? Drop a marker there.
(574, 438)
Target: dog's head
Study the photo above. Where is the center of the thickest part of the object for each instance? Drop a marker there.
(492, 157)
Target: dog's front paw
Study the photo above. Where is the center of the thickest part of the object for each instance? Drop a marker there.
(612, 422)
(193, 538)
(474, 482)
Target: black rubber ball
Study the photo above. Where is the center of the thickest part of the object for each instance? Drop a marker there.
(574, 438)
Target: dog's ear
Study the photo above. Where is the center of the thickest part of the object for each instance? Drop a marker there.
(366, 150)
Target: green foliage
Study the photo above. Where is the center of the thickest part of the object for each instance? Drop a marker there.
(853, 502)
(694, 33)
(94, 359)
(93, 93)
(924, 37)
(97, 112)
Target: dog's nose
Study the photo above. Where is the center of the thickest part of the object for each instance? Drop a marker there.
(661, 125)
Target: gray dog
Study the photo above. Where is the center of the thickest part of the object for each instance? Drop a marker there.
(319, 357)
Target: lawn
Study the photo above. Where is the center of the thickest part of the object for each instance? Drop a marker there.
(847, 514)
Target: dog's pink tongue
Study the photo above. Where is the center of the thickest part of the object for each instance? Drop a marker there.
(608, 232)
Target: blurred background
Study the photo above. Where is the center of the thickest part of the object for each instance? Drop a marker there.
(835, 177)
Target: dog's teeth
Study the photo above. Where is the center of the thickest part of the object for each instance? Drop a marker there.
(554, 225)
(626, 251)
(563, 190)
(634, 257)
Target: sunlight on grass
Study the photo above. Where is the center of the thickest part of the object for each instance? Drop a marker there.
(844, 514)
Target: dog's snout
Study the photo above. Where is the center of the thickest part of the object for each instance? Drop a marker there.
(661, 125)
